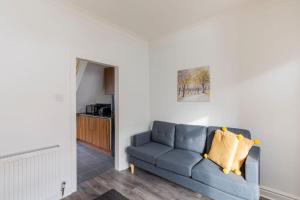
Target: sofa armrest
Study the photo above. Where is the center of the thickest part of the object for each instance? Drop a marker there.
(252, 166)
(141, 138)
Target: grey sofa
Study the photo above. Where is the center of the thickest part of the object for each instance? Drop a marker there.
(174, 152)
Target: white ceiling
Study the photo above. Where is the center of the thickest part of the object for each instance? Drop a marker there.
(151, 19)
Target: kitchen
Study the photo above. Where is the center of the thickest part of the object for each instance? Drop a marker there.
(95, 119)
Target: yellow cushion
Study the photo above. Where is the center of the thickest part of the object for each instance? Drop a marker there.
(241, 154)
(223, 149)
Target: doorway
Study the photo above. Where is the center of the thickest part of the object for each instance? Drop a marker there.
(95, 117)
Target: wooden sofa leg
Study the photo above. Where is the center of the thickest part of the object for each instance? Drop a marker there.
(131, 168)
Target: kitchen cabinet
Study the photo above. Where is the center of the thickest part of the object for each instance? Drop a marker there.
(109, 80)
(95, 131)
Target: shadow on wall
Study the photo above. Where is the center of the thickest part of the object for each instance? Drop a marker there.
(269, 38)
(269, 91)
(203, 121)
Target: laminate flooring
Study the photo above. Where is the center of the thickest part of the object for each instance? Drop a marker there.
(91, 162)
(140, 186)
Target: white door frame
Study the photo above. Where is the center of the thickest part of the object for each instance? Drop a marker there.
(72, 117)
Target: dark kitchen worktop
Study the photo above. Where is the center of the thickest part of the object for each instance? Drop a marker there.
(94, 116)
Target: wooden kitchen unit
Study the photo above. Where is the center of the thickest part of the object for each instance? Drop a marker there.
(95, 131)
(109, 80)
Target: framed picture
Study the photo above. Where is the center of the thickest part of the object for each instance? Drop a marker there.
(193, 85)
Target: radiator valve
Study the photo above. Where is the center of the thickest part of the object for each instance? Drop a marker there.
(62, 188)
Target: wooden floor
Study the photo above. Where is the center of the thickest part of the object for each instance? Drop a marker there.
(140, 186)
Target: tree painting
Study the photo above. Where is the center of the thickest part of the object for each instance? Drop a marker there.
(193, 84)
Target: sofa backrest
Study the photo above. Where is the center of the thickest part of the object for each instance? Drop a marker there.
(163, 132)
(190, 137)
(211, 132)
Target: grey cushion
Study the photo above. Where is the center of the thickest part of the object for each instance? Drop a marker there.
(148, 152)
(190, 137)
(209, 173)
(179, 161)
(211, 132)
(163, 132)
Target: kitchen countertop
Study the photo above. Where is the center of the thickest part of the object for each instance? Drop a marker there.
(95, 116)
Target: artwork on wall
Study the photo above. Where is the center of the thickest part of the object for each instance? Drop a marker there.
(193, 85)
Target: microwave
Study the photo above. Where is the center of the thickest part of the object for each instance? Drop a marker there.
(89, 109)
(99, 109)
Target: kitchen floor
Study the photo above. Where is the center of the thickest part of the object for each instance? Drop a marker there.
(91, 162)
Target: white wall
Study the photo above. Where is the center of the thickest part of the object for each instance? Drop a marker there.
(253, 53)
(40, 41)
(91, 88)
(212, 43)
(270, 89)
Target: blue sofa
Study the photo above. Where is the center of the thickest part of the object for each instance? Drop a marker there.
(174, 152)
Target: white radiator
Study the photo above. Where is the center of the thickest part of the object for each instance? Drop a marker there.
(31, 175)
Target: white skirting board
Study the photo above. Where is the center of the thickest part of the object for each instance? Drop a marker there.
(31, 175)
(273, 194)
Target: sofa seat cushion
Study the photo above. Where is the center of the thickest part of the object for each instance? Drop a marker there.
(148, 152)
(210, 173)
(179, 161)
